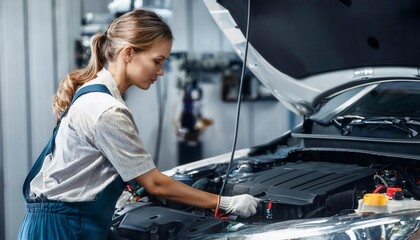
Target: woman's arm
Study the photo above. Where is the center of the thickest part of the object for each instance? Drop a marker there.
(161, 185)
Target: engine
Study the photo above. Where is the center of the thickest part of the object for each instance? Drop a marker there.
(295, 190)
(290, 188)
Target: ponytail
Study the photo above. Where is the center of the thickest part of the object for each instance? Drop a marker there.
(76, 78)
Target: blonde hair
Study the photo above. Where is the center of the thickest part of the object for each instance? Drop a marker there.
(140, 29)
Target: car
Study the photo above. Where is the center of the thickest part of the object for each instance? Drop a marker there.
(351, 169)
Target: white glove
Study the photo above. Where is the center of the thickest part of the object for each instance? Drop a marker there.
(243, 205)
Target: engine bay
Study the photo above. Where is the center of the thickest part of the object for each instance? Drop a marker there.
(301, 184)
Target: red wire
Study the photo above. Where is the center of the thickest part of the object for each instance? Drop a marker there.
(220, 215)
(379, 188)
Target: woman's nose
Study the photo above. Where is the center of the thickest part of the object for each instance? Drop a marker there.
(160, 72)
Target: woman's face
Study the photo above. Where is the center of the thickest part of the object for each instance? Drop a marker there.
(144, 67)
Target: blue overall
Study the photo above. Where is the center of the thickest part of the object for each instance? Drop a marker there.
(46, 219)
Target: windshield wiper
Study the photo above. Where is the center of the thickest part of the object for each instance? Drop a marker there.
(346, 123)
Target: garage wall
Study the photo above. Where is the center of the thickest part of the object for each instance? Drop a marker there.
(15, 134)
(2, 230)
(36, 47)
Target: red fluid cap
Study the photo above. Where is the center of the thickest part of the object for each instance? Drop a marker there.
(390, 191)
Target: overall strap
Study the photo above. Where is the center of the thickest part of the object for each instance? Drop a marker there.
(87, 89)
(51, 143)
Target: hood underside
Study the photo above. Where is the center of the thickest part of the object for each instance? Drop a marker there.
(306, 52)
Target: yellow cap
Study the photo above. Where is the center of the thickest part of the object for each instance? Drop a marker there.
(375, 199)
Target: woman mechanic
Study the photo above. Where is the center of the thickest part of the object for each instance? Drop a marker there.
(97, 146)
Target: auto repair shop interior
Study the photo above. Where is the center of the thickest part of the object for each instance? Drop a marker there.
(313, 152)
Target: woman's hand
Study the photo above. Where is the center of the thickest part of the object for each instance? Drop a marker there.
(243, 205)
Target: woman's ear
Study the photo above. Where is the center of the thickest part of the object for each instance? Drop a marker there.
(128, 53)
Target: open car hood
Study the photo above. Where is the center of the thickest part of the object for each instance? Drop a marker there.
(304, 53)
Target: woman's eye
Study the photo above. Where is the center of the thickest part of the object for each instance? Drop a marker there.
(157, 63)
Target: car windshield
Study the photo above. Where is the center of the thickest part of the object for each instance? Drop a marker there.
(390, 99)
(390, 110)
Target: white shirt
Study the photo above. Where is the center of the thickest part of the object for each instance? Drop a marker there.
(97, 141)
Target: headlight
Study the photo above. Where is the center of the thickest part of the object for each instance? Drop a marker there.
(397, 225)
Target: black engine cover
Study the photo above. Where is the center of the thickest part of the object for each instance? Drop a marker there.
(301, 183)
(296, 190)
